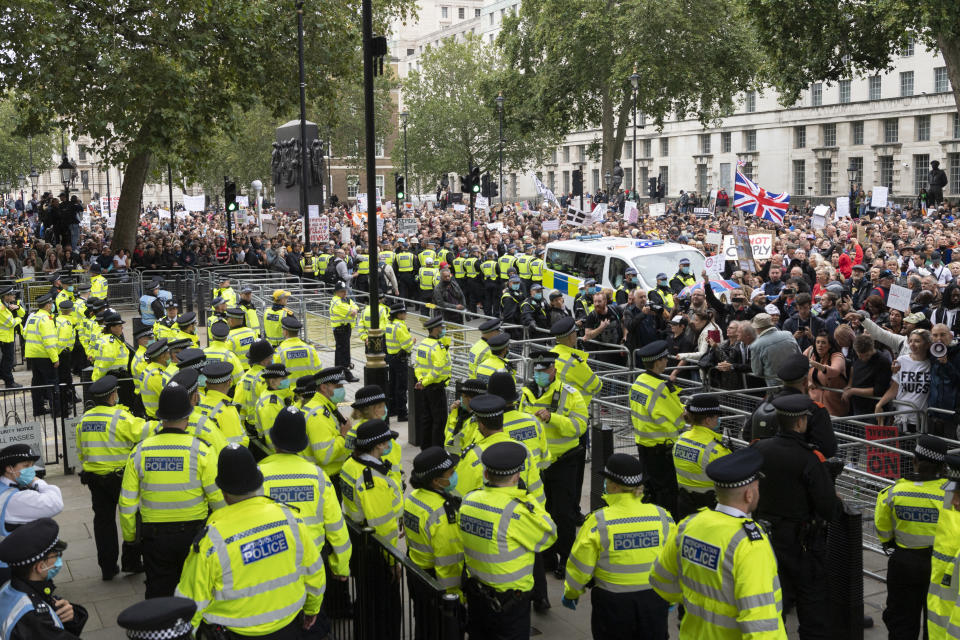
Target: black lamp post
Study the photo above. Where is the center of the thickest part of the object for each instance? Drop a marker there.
(68, 173)
(606, 181)
(635, 81)
(304, 167)
(406, 181)
(852, 173)
(23, 184)
(500, 112)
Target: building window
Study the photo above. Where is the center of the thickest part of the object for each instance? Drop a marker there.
(379, 179)
(551, 180)
(476, 13)
(664, 147)
(886, 171)
(411, 52)
(953, 160)
(644, 174)
(921, 165)
(909, 50)
(874, 87)
(751, 101)
(922, 126)
(702, 179)
(628, 149)
(857, 163)
(704, 143)
(491, 18)
(941, 83)
(595, 174)
(799, 137)
(553, 157)
(647, 148)
(799, 177)
(891, 130)
(82, 153)
(906, 84)
(816, 94)
(444, 13)
(378, 148)
(844, 91)
(856, 132)
(461, 13)
(566, 154)
(582, 153)
(566, 182)
(665, 179)
(750, 140)
(628, 178)
(353, 185)
(726, 142)
(747, 170)
(830, 135)
(642, 120)
(956, 126)
(826, 176)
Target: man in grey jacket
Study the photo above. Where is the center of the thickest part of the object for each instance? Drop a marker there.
(770, 349)
(448, 296)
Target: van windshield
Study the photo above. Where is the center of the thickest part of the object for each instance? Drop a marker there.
(648, 266)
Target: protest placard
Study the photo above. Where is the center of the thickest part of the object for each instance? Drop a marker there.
(550, 225)
(879, 198)
(843, 208)
(599, 212)
(243, 201)
(576, 217)
(460, 208)
(744, 250)
(657, 209)
(407, 226)
(899, 298)
(715, 238)
(714, 264)
(630, 211)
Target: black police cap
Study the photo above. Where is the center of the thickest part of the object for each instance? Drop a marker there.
(112, 319)
(331, 375)
(737, 469)
(504, 458)
(563, 327)
(499, 341)
(502, 384)
(432, 462)
(104, 386)
(289, 430)
(368, 396)
(219, 329)
(931, 449)
(473, 386)
(274, 370)
(237, 471)
(487, 406)
(624, 469)
(543, 360)
(654, 351)
(186, 319)
(259, 351)
(167, 618)
(175, 400)
(191, 358)
(305, 385)
(66, 305)
(793, 405)
(156, 349)
(179, 343)
(490, 325)
(793, 368)
(703, 405)
(435, 321)
(31, 542)
(217, 371)
(373, 432)
(290, 323)
(397, 309)
(16, 453)
(217, 301)
(235, 312)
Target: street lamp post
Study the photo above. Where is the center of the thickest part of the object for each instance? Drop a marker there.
(635, 81)
(257, 186)
(500, 112)
(23, 184)
(68, 172)
(406, 181)
(304, 167)
(852, 173)
(606, 181)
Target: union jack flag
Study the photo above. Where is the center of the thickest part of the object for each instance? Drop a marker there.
(753, 199)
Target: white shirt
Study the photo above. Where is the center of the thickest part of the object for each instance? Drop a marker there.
(731, 511)
(41, 500)
(914, 387)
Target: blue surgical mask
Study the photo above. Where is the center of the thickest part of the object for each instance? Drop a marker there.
(453, 483)
(684, 270)
(633, 280)
(55, 569)
(339, 395)
(389, 448)
(605, 486)
(443, 332)
(284, 384)
(202, 381)
(70, 289)
(27, 476)
(538, 296)
(542, 378)
(661, 283)
(515, 287)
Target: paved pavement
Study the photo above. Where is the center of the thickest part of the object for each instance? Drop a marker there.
(80, 579)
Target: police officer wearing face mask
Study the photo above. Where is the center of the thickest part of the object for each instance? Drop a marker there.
(34, 554)
(25, 497)
(683, 278)
(630, 282)
(510, 301)
(583, 301)
(662, 295)
(430, 524)
(533, 313)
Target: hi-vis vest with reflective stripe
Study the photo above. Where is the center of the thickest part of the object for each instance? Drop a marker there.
(470, 266)
(489, 270)
(254, 570)
(458, 267)
(572, 369)
(105, 437)
(723, 570)
(289, 479)
(523, 427)
(169, 478)
(363, 264)
(427, 276)
(655, 410)
(155, 379)
(327, 445)
(320, 263)
(506, 262)
(239, 340)
(432, 363)
(40, 333)
(340, 311)
(404, 262)
(536, 270)
(523, 266)
(692, 452)
(15, 604)
(298, 357)
(568, 414)
(502, 529)
(617, 546)
(219, 408)
(272, 330)
(907, 512)
(398, 337)
(491, 364)
(470, 469)
(944, 587)
(371, 497)
(477, 353)
(433, 538)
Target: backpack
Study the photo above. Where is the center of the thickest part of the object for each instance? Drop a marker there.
(330, 276)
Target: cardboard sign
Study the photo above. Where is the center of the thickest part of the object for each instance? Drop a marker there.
(899, 298)
(881, 462)
(820, 214)
(600, 212)
(657, 209)
(460, 208)
(879, 197)
(408, 226)
(701, 212)
(715, 238)
(714, 265)
(481, 202)
(194, 203)
(110, 206)
(243, 201)
(630, 211)
(744, 250)
(576, 217)
(550, 225)
(843, 208)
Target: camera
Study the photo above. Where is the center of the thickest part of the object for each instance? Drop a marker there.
(938, 350)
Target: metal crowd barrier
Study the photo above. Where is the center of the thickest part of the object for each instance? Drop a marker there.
(381, 577)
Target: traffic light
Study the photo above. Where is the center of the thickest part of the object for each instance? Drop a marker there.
(230, 195)
(475, 180)
(398, 185)
(485, 185)
(660, 189)
(494, 188)
(465, 183)
(652, 188)
(577, 182)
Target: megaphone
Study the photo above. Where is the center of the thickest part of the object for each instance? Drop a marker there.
(938, 349)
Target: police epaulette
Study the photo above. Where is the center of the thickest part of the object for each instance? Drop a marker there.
(752, 530)
(451, 510)
(368, 477)
(526, 504)
(273, 399)
(204, 441)
(197, 538)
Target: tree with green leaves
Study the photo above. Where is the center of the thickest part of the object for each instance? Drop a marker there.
(453, 121)
(158, 81)
(572, 60)
(810, 42)
(16, 150)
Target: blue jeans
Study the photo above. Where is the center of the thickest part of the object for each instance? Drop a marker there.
(75, 236)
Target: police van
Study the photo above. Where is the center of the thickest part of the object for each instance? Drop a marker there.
(569, 263)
